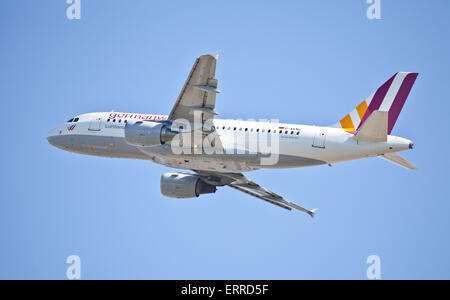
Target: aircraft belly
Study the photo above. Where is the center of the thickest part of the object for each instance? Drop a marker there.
(216, 162)
(294, 155)
(290, 161)
(97, 145)
(225, 162)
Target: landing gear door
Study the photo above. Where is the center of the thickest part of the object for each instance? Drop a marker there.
(320, 138)
(95, 124)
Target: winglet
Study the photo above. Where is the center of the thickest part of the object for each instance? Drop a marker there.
(298, 207)
(312, 212)
(216, 54)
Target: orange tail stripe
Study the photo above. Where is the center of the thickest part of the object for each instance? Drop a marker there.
(347, 123)
(361, 109)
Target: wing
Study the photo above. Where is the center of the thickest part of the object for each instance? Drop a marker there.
(241, 183)
(199, 91)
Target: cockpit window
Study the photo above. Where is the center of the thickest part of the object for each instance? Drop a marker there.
(76, 119)
(71, 120)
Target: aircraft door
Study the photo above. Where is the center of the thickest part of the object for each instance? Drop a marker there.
(95, 124)
(319, 138)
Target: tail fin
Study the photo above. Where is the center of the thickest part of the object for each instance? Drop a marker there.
(374, 128)
(390, 97)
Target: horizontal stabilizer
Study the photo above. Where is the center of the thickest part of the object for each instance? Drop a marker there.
(398, 160)
(375, 128)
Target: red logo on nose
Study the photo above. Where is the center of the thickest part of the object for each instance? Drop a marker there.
(70, 128)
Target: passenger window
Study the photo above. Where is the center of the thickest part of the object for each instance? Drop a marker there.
(268, 131)
(114, 120)
(257, 130)
(125, 121)
(120, 121)
(108, 120)
(235, 128)
(292, 132)
(281, 131)
(246, 129)
(298, 132)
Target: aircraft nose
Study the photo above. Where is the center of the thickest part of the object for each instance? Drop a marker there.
(52, 137)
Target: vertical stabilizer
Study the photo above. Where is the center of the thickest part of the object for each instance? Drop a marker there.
(390, 97)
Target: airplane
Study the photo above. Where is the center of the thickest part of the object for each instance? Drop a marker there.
(218, 151)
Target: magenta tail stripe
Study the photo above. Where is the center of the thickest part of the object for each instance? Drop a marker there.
(377, 99)
(400, 99)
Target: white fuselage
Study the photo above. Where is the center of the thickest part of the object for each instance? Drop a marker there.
(103, 134)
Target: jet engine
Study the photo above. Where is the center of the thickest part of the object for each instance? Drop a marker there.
(147, 133)
(179, 185)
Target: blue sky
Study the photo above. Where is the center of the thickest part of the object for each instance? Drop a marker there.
(308, 62)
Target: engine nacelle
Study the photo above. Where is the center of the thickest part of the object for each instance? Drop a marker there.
(178, 185)
(147, 133)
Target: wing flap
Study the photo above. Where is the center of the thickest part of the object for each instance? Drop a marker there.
(259, 196)
(241, 183)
